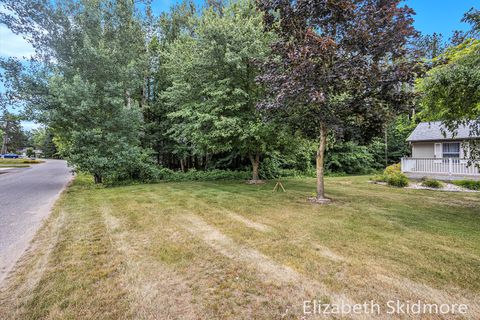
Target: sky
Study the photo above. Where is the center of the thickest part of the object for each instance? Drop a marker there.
(441, 16)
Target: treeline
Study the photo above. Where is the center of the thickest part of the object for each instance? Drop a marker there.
(222, 87)
(14, 138)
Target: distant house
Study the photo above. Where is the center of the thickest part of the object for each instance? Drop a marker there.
(439, 154)
(23, 152)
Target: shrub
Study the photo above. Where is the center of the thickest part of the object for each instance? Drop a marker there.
(192, 174)
(397, 180)
(469, 184)
(30, 153)
(432, 183)
(394, 177)
(379, 178)
(393, 169)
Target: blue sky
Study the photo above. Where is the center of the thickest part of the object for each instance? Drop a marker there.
(441, 16)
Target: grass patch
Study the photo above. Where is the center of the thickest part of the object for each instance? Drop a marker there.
(20, 161)
(222, 250)
(14, 166)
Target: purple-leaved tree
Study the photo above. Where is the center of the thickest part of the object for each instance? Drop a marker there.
(338, 62)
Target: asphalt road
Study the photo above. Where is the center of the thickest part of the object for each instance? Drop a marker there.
(26, 198)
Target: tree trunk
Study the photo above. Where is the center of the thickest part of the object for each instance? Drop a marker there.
(255, 165)
(182, 166)
(97, 178)
(5, 138)
(320, 163)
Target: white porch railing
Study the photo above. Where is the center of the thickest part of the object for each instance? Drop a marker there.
(448, 166)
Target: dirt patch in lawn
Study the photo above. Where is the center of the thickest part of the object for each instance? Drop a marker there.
(270, 270)
(327, 253)
(249, 223)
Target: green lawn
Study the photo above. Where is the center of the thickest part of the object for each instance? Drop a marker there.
(220, 250)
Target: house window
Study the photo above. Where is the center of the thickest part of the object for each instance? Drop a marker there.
(451, 150)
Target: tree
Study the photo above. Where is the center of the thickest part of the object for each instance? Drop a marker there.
(170, 26)
(451, 90)
(43, 139)
(337, 62)
(13, 137)
(472, 17)
(430, 46)
(90, 86)
(213, 91)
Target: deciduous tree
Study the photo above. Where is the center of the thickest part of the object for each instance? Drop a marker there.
(213, 92)
(89, 88)
(337, 62)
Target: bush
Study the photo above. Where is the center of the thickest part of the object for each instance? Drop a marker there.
(397, 180)
(393, 176)
(469, 184)
(379, 178)
(30, 153)
(393, 169)
(432, 183)
(210, 175)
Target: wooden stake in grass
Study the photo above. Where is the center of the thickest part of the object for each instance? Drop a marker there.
(277, 185)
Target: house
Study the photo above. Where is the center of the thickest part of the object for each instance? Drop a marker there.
(37, 153)
(439, 154)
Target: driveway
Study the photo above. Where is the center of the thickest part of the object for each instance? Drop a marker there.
(26, 197)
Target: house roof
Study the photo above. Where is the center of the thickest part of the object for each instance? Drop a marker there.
(428, 131)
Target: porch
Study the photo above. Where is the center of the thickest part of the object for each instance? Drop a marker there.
(440, 168)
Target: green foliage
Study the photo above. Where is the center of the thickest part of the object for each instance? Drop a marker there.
(469, 184)
(30, 153)
(43, 139)
(214, 174)
(90, 90)
(12, 135)
(431, 183)
(349, 157)
(392, 176)
(213, 93)
(271, 168)
(392, 169)
(114, 83)
(451, 90)
(397, 180)
(379, 178)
